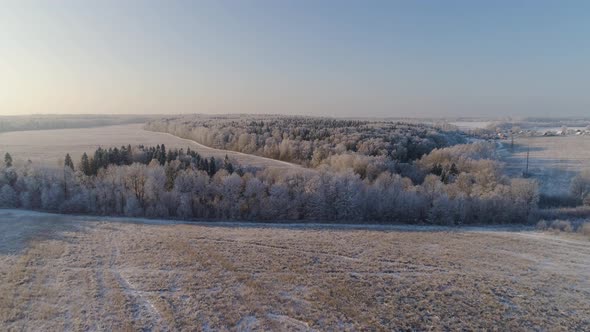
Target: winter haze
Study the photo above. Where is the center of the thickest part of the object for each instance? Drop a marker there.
(329, 58)
(294, 166)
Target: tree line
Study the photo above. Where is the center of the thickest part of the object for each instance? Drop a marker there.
(312, 141)
(127, 155)
(45, 122)
(462, 184)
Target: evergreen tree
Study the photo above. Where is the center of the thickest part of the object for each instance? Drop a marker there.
(437, 169)
(93, 166)
(68, 162)
(212, 167)
(85, 164)
(7, 160)
(115, 157)
(227, 165)
(203, 165)
(128, 155)
(162, 156)
(170, 176)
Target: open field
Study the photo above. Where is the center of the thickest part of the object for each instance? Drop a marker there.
(467, 125)
(48, 147)
(553, 160)
(87, 273)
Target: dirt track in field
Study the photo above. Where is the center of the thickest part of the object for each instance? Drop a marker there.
(86, 273)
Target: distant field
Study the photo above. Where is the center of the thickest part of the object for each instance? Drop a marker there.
(553, 160)
(87, 273)
(47, 147)
(466, 125)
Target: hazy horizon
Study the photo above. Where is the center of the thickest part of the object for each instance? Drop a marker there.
(294, 165)
(334, 58)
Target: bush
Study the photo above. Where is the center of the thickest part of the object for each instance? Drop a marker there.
(568, 226)
(559, 225)
(562, 226)
(542, 225)
(580, 212)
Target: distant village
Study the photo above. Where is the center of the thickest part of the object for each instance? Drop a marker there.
(564, 131)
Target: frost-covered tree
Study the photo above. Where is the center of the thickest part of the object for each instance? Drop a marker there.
(133, 207)
(52, 196)
(309, 140)
(349, 200)
(232, 195)
(277, 205)
(184, 210)
(344, 188)
(7, 160)
(254, 196)
(441, 212)
(580, 186)
(135, 183)
(8, 197)
(525, 191)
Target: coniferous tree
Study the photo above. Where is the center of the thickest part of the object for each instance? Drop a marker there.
(212, 167)
(68, 162)
(7, 160)
(128, 155)
(227, 165)
(162, 157)
(170, 176)
(85, 164)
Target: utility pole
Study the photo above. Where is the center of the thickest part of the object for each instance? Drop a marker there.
(528, 150)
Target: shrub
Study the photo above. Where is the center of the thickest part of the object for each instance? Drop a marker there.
(580, 212)
(542, 224)
(559, 225)
(562, 226)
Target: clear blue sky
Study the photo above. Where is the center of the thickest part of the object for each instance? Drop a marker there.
(339, 58)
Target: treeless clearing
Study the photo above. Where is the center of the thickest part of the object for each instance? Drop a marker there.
(49, 147)
(87, 273)
(554, 160)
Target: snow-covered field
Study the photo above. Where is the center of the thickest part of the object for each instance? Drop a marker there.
(553, 160)
(90, 273)
(48, 147)
(466, 125)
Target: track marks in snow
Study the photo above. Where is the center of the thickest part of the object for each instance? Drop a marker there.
(141, 306)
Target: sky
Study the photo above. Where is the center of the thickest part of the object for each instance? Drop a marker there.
(330, 58)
